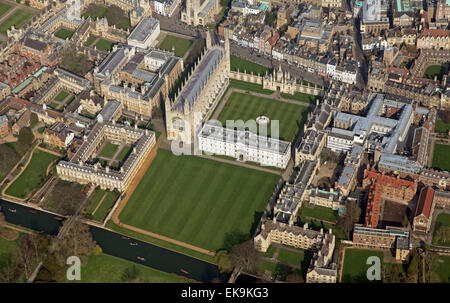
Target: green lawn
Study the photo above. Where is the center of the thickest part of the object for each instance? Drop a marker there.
(90, 40)
(441, 159)
(355, 265)
(291, 257)
(70, 100)
(301, 97)
(105, 45)
(64, 33)
(444, 269)
(53, 105)
(198, 201)
(7, 251)
(246, 107)
(105, 207)
(279, 269)
(161, 243)
(319, 213)
(434, 70)
(126, 150)
(442, 127)
(33, 175)
(98, 12)
(18, 19)
(123, 23)
(442, 221)
(270, 252)
(181, 45)
(4, 8)
(95, 199)
(109, 150)
(61, 96)
(242, 65)
(250, 87)
(105, 268)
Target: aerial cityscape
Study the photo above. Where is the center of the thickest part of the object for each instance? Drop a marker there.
(224, 141)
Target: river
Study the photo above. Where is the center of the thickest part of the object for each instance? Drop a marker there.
(115, 244)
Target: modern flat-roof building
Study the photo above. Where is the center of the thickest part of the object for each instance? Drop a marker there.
(389, 238)
(145, 33)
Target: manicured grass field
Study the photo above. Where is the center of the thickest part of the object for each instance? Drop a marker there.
(33, 175)
(442, 127)
(90, 40)
(70, 100)
(124, 153)
(106, 205)
(301, 97)
(104, 268)
(109, 150)
(198, 201)
(105, 45)
(355, 267)
(246, 107)
(4, 8)
(434, 70)
(61, 96)
(320, 213)
(250, 87)
(161, 243)
(64, 33)
(242, 65)
(441, 159)
(270, 252)
(18, 19)
(7, 251)
(181, 45)
(53, 105)
(95, 198)
(291, 257)
(123, 23)
(444, 269)
(443, 220)
(99, 12)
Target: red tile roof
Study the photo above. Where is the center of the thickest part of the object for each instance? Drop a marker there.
(425, 202)
(434, 33)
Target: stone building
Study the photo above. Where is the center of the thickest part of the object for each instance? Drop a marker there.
(79, 169)
(200, 12)
(424, 211)
(390, 238)
(198, 97)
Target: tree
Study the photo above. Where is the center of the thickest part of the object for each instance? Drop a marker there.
(295, 278)
(31, 249)
(26, 139)
(346, 222)
(445, 115)
(413, 266)
(431, 265)
(270, 19)
(33, 120)
(114, 14)
(244, 257)
(77, 241)
(131, 274)
(224, 262)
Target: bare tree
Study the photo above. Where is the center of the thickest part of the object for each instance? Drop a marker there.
(77, 241)
(351, 217)
(244, 257)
